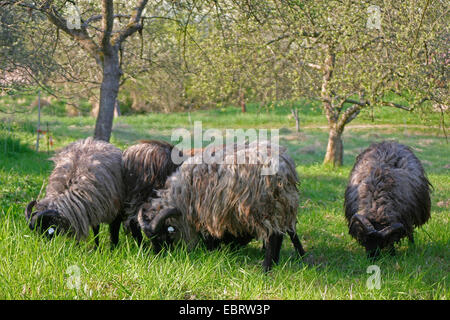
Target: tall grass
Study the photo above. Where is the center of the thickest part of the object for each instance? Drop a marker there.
(335, 266)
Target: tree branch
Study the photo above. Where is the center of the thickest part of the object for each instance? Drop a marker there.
(107, 24)
(354, 110)
(364, 46)
(283, 36)
(311, 65)
(396, 105)
(79, 35)
(133, 24)
(351, 112)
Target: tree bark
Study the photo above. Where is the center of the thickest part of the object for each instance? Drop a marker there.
(335, 148)
(108, 95)
(297, 119)
(242, 101)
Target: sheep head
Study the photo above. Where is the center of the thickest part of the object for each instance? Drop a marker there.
(371, 238)
(160, 225)
(48, 222)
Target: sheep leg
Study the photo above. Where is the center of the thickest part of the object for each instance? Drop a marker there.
(296, 242)
(277, 249)
(136, 231)
(211, 242)
(373, 253)
(391, 250)
(273, 246)
(411, 238)
(114, 228)
(96, 229)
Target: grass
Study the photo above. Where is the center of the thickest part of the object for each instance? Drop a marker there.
(335, 266)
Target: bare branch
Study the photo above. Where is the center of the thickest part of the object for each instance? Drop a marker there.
(351, 113)
(283, 36)
(107, 24)
(79, 35)
(359, 103)
(396, 105)
(311, 65)
(364, 46)
(99, 17)
(132, 26)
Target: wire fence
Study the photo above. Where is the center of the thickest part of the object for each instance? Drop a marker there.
(16, 120)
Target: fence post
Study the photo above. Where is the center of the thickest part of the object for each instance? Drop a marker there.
(48, 139)
(39, 120)
(10, 135)
(296, 117)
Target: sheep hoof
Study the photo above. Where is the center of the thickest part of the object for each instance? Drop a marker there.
(267, 267)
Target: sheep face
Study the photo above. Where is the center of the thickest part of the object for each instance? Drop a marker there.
(165, 227)
(162, 226)
(373, 236)
(46, 222)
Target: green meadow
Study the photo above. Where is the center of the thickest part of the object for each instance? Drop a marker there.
(335, 266)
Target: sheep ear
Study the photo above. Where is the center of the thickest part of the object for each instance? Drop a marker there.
(368, 227)
(158, 221)
(29, 209)
(396, 227)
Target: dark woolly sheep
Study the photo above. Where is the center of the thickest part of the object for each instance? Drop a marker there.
(228, 201)
(145, 168)
(85, 189)
(388, 194)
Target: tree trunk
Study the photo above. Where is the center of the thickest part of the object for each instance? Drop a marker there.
(297, 119)
(335, 148)
(108, 95)
(117, 112)
(242, 101)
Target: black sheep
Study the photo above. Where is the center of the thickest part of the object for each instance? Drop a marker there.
(145, 168)
(387, 196)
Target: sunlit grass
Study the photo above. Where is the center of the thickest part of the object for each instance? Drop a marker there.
(335, 266)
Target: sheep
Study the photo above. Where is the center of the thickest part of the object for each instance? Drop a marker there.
(84, 189)
(388, 194)
(228, 201)
(145, 168)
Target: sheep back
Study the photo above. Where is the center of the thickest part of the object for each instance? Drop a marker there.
(85, 185)
(388, 185)
(229, 197)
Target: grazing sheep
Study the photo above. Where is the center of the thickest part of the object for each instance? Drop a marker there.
(388, 194)
(228, 201)
(145, 168)
(85, 189)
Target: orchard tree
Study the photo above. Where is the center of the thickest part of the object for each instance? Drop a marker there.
(101, 29)
(350, 54)
(234, 60)
(22, 63)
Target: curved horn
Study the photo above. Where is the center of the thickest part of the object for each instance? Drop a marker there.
(158, 221)
(386, 232)
(49, 216)
(29, 209)
(368, 227)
